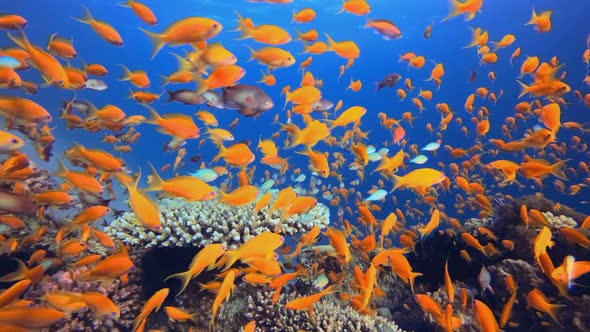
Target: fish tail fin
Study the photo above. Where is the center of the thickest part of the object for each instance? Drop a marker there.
(126, 73)
(422, 232)
(524, 89)
(411, 279)
(183, 64)
(244, 26)
(305, 49)
(165, 81)
(87, 16)
(298, 34)
(552, 311)
(455, 10)
(127, 4)
(201, 84)
(139, 323)
(19, 274)
(23, 42)
(184, 278)
(397, 182)
(252, 53)
(331, 42)
(221, 153)
(92, 112)
(232, 256)
(61, 168)
(558, 171)
(51, 38)
(156, 39)
(342, 9)
(154, 116)
(534, 18)
(368, 23)
(170, 96)
(329, 290)
(157, 182)
(288, 98)
(222, 196)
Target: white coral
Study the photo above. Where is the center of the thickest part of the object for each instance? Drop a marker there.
(201, 223)
(560, 221)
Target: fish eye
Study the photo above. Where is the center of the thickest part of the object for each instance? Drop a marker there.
(60, 83)
(114, 314)
(215, 25)
(157, 228)
(212, 193)
(132, 268)
(14, 141)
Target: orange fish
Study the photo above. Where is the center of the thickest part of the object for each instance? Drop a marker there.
(468, 7)
(542, 22)
(223, 294)
(51, 70)
(204, 259)
(103, 29)
(138, 78)
(185, 31)
(142, 11)
(152, 304)
(306, 302)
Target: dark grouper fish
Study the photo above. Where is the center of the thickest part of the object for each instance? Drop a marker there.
(249, 100)
(389, 81)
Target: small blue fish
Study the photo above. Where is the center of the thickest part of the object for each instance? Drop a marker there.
(8, 61)
(205, 174)
(431, 146)
(377, 195)
(300, 178)
(375, 156)
(266, 185)
(421, 159)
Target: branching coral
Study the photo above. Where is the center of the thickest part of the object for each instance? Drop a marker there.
(329, 314)
(201, 223)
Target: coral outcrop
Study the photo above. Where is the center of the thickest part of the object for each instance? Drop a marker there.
(198, 224)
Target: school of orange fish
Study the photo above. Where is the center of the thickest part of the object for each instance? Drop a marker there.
(331, 139)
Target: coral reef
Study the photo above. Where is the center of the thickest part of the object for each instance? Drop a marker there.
(127, 297)
(198, 224)
(329, 314)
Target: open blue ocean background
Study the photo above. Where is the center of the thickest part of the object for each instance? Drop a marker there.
(379, 57)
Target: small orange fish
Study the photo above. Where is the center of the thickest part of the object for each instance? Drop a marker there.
(103, 29)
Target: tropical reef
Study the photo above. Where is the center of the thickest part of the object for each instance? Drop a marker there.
(294, 165)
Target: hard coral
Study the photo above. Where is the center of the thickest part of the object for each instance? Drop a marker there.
(197, 224)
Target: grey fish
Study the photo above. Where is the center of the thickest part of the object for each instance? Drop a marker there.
(322, 105)
(96, 84)
(249, 100)
(389, 81)
(185, 96)
(16, 204)
(485, 280)
(82, 106)
(213, 99)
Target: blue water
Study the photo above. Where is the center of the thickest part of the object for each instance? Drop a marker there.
(567, 41)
